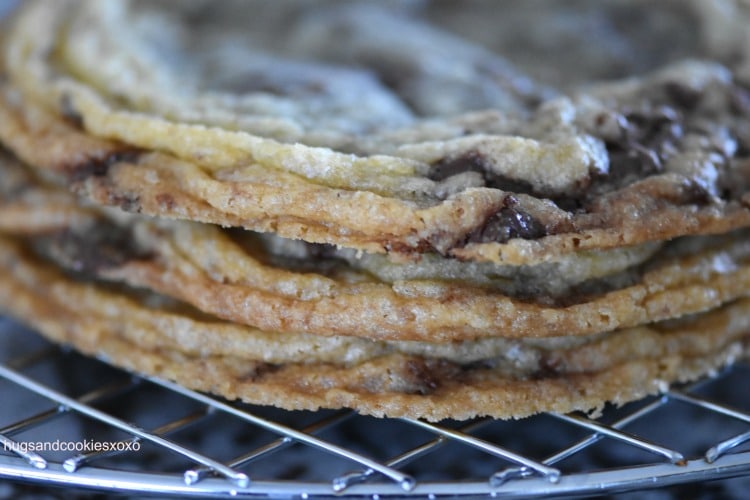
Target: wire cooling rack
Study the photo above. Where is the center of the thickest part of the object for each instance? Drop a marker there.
(166, 440)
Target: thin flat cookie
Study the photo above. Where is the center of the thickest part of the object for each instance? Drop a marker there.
(503, 178)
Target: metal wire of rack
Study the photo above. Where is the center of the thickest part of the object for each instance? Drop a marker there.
(221, 449)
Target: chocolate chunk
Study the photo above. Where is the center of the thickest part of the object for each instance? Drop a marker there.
(98, 166)
(695, 194)
(424, 376)
(510, 222)
(470, 161)
(473, 161)
(682, 95)
(651, 136)
(652, 127)
(420, 376)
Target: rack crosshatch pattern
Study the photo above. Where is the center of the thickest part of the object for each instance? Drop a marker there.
(191, 443)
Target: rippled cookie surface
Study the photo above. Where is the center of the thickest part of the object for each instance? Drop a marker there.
(396, 127)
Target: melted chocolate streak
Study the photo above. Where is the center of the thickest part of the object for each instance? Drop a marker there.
(92, 249)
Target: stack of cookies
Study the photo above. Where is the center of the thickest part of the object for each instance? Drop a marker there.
(426, 209)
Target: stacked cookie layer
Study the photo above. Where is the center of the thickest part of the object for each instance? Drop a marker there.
(405, 225)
